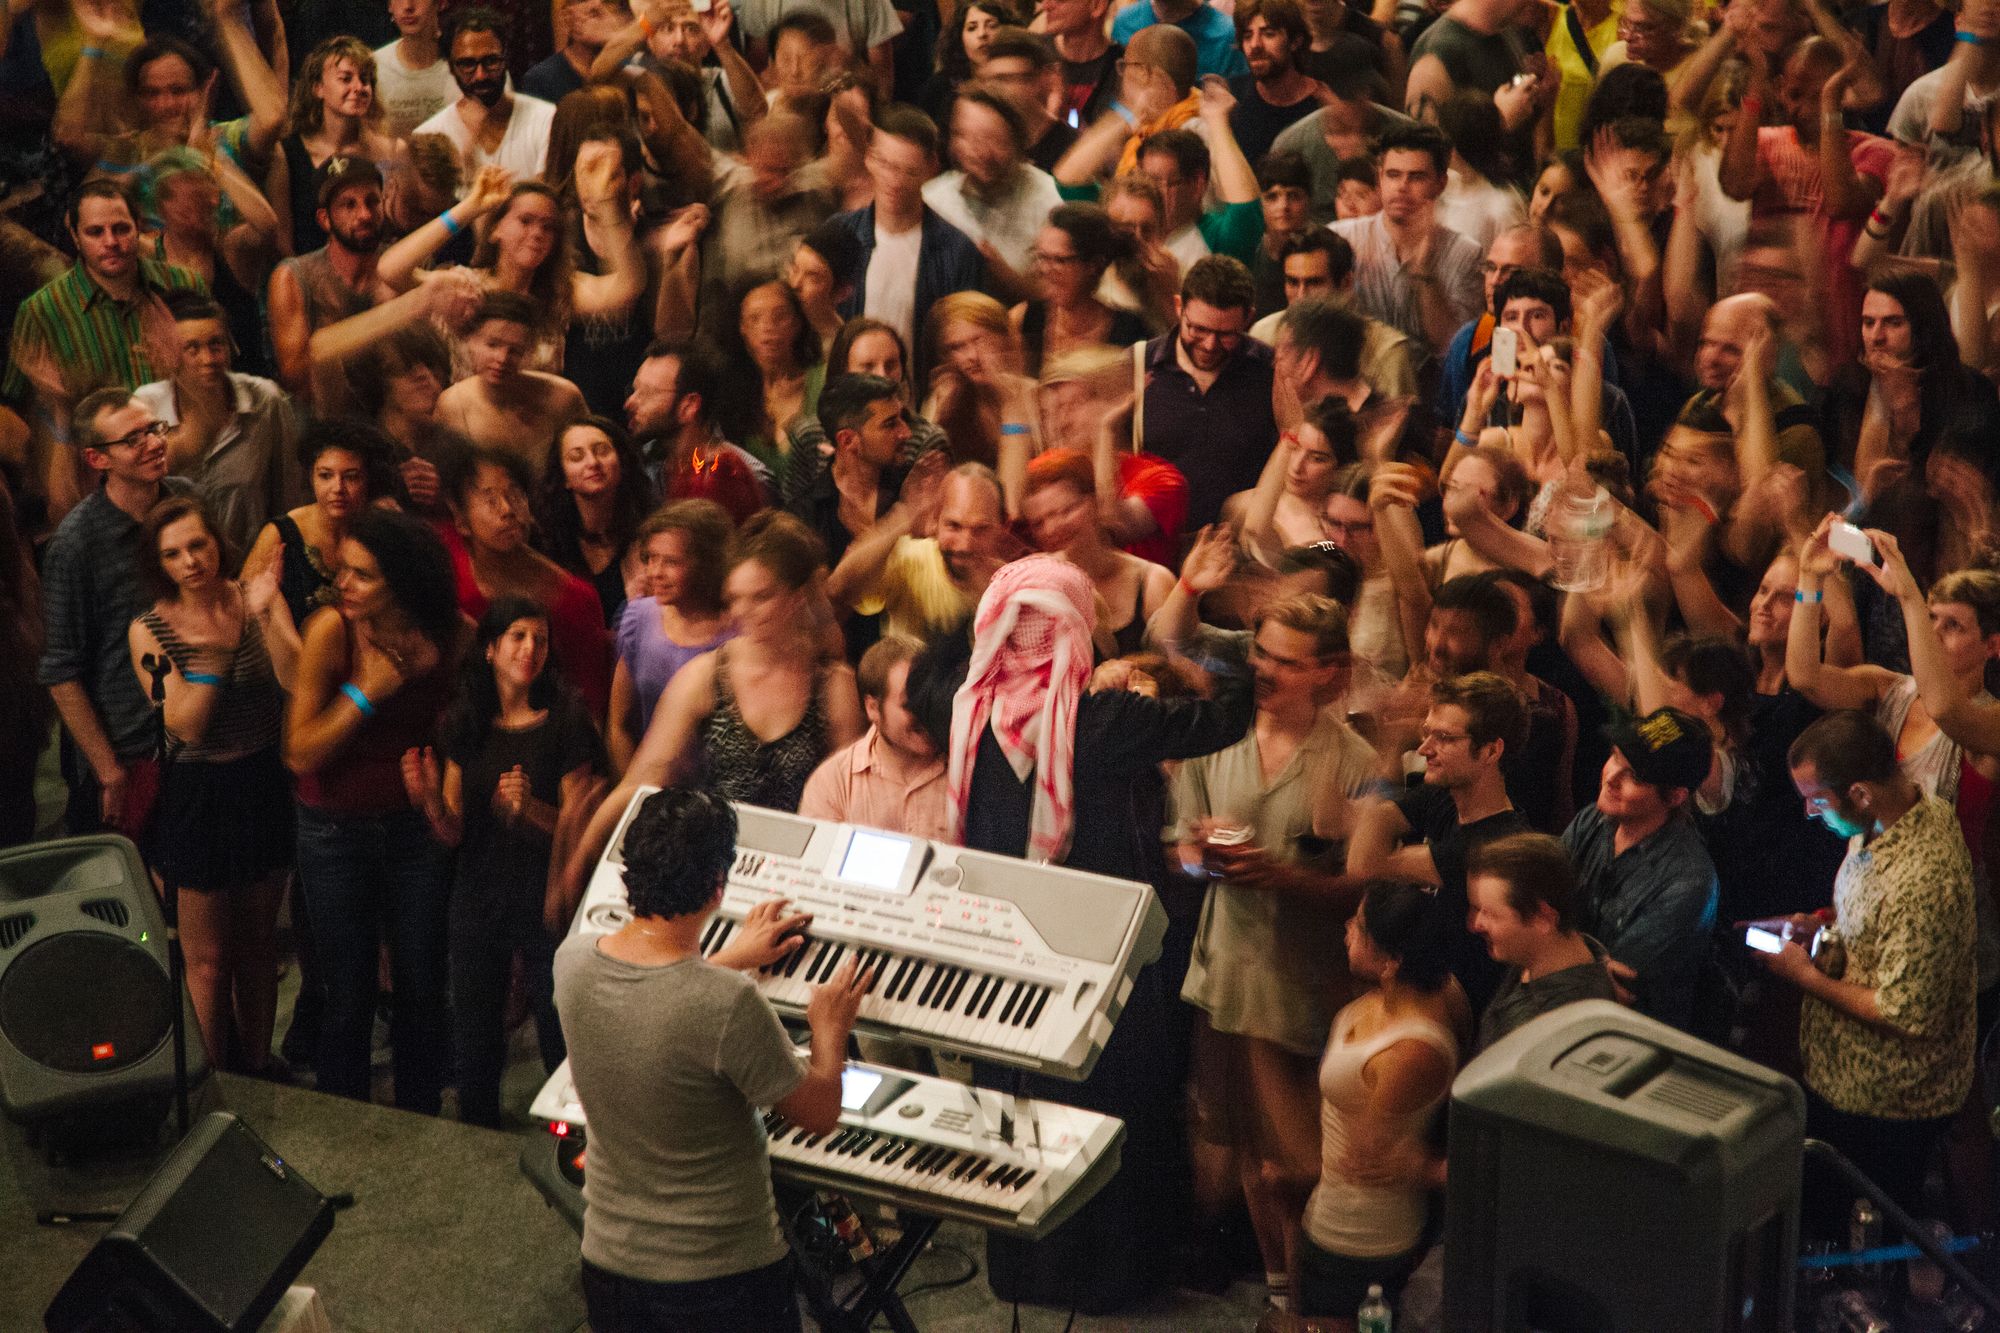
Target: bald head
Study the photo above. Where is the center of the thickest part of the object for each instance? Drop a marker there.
(1166, 48)
(1727, 332)
(970, 513)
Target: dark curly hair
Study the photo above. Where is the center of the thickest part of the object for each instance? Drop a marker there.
(417, 569)
(677, 851)
(477, 706)
(365, 441)
(558, 525)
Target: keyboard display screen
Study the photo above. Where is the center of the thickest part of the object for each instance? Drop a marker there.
(856, 1087)
(876, 860)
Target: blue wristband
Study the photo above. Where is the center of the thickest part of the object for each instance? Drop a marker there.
(1799, 596)
(452, 226)
(1470, 442)
(1969, 38)
(95, 53)
(200, 678)
(360, 700)
(1014, 428)
(1126, 114)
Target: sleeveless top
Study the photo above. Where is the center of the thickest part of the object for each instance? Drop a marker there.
(1131, 636)
(365, 777)
(304, 581)
(250, 704)
(240, 311)
(1363, 1221)
(328, 298)
(744, 768)
(651, 658)
(1126, 329)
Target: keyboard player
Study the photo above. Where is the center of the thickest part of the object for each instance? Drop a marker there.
(671, 1053)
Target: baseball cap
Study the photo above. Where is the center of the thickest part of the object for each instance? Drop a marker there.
(1666, 747)
(345, 172)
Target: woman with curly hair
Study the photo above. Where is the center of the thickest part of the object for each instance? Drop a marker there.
(592, 497)
(964, 40)
(334, 117)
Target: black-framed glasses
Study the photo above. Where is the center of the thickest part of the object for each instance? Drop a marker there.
(152, 430)
(479, 64)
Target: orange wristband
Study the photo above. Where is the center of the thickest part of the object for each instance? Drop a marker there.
(646, 26)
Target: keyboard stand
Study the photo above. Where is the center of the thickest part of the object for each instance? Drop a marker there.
(880, 1274)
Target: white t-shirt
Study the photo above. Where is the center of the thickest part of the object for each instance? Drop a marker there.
(891, 294)
(1009, 223)
(522, 149)
(410, 97)
(1188, 246)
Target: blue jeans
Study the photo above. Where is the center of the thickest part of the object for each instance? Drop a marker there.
(758, 1301)
(366, 877)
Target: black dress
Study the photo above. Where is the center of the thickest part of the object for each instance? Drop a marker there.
(304, 581)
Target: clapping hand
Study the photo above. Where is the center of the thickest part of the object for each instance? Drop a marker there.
(1211, 561)
(260, 593)
(511, 795)
(490, 187)
(423, 781)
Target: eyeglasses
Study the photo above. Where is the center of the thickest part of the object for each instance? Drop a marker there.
(479, 64)
(139, 438)
(1489, 269)
(1225, 338)
(1134, 67)
(1441, 738)
(1044, 257)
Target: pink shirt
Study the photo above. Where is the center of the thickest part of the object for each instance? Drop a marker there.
(850, 787)
(1791, 183)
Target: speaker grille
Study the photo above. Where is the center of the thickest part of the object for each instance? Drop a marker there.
(15, 928)
(85, 1002)
(108, 910)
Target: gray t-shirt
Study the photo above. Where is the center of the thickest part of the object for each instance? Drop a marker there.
(670, 1063)
(861, 24)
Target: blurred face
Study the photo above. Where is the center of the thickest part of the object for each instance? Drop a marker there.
(354, 218)
(497, 348)
(1454, 643)
(339, 484)
(1147, 89)
(1356, 199)
(891, 716)
(650, 407)
(882, 432)
(1509, 254)
(1771, 606)
(801, 62)
(978, 32)
(106, 240)
(344, 90)
(1065, 277)
(810, 278)
(1622, 798)
(1475, 474)
(1533, 317)
(1835, 809)
(1554, 182)
(1308, 273)
(1017, 79)
(981, 143)
(135, 445)
(1060, 516)
(1410, 184)
(876, 353)
(1508, 938)
(204, 352)
(773, 154)
(1515, 647)
(528, 231)
(413, 392)
(1692, 461)
(359, 582)
(1286, 209)
(679, 37)
(898, 169)
(1210, 334)
(666, 565)
(494, 517)
(169, 95)
(1062, 18)
(1651, 39)
(1965, 648)
(1450, 757)
(414, 18)
(479, 65)
(1181, 192)
(1310, 475)
(1351, 526)
(1134, 216)
(1885, 328)
(760, 604)
(189, 555)
(1266, 50)
(520, 653)
(1724, 335)
(769, 325)
(968, 521)
(589, 461)
(971, 349)
(593, 23)
(187, 202)
(1287, 668)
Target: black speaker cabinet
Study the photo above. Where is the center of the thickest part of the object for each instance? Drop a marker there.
(85, 1004)
(211, 1242)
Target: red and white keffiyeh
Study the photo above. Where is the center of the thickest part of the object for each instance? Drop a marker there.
(1031, 660)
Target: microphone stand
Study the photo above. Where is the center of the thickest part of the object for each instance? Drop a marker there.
(159, 667)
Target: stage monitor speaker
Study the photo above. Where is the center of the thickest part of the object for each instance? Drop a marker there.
(85, 1003)
(1609, 1173)
(211, 1242)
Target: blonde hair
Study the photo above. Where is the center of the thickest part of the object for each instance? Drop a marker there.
(1976, 588)
(307, 113)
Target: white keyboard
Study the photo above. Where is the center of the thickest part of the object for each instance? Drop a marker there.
(990, 956)
(925, 1144)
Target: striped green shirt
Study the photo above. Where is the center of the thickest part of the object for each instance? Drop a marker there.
(95, 339)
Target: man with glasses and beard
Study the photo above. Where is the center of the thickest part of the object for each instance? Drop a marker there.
(487, 123)
(1207, 406)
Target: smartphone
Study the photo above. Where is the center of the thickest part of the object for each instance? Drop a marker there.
(1844, 539)
(703, 6)
(1506, 352)
(1763, 940)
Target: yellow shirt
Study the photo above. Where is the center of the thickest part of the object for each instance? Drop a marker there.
(1573, 93)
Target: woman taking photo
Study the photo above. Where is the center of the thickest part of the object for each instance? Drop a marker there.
(221, 835)
(334, 115)
(1070, 258)
(682, 550)
(755, 717)
(775, 374)
(520, 759)
(1388, 1066)
(1060, 508)
(592, 498)
(373, 679)
(347, 467)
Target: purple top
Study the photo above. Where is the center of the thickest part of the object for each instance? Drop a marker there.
(651, 657)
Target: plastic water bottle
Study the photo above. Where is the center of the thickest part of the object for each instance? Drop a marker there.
(1579, 527)
(1373, 1316)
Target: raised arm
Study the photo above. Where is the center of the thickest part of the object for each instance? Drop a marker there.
(607, 221)
(1846, 193)
(86, 116)
(1209, 564)
(1974, 725)
(1740, 170)
(1392, 494)
(1095, 150)
(1820, 682)
(1235, 181)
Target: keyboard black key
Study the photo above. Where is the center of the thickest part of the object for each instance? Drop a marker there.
(887, 1146)
(930, 985)
(1013, 998)
(832, 964)
(992, 994)
(807, 945)
(1027, 1002)
(1035, 1015)
(957, 989)
(919, 969)
(978, 994)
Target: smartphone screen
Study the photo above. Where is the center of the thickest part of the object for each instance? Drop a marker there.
(1763, 940)
(1506, 352)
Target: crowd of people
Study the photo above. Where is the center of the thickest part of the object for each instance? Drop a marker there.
(1474, 503)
